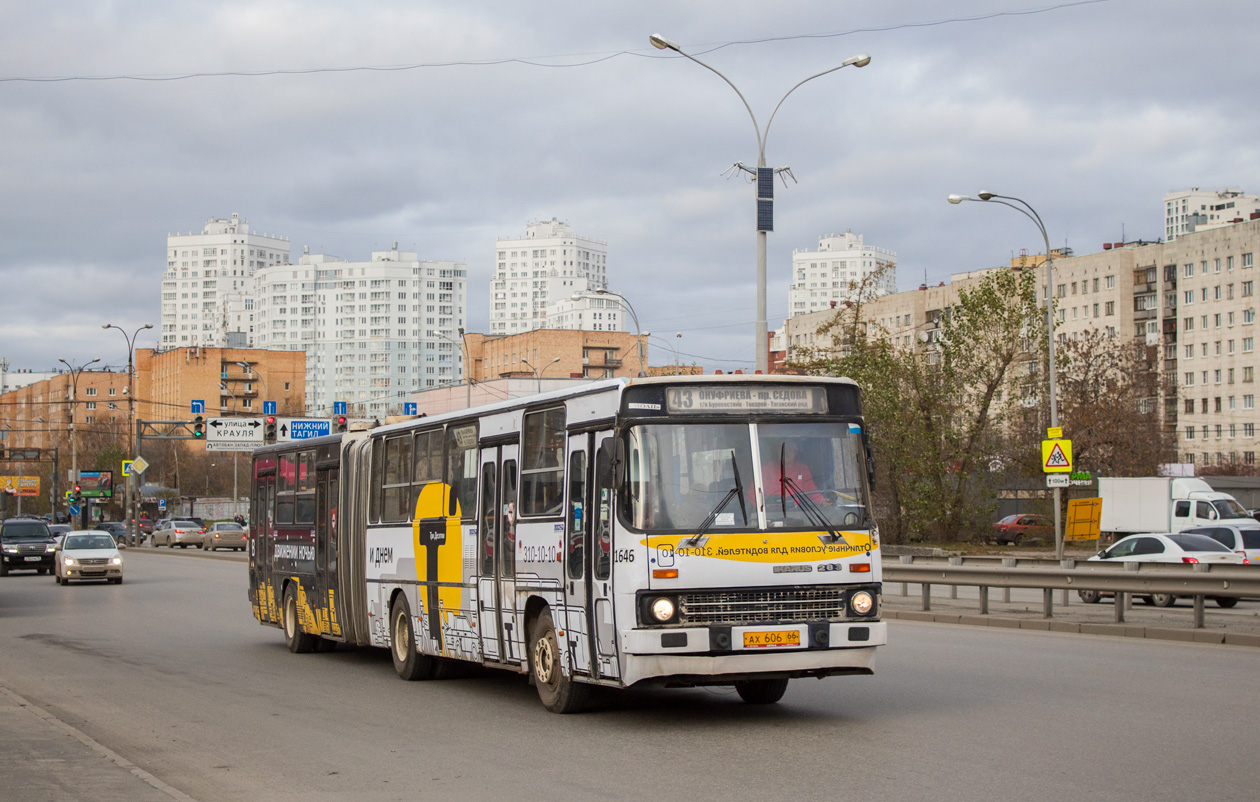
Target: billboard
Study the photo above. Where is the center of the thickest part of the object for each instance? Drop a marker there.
(20, 485)
(96, 484)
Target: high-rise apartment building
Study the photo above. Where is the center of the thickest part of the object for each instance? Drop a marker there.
(208, 280)
(550, 264)
(836, 272)
(1199, 209)
(373, 332)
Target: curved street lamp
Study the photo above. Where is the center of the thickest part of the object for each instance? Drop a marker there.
(638, 332)
(538, 374)
(764, 181)
(1024, 208)
(131, 420)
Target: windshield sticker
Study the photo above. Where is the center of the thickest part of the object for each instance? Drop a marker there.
(725, 519)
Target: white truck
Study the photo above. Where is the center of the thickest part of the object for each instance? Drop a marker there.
(1162, 504)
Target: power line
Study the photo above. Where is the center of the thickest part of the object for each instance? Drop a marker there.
(587, 59)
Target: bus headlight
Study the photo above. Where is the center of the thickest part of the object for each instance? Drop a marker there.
(662, 609)
(862, 602)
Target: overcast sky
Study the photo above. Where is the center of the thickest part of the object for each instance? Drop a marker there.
(1091, 111)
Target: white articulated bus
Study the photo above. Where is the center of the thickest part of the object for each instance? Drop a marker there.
(679, 531)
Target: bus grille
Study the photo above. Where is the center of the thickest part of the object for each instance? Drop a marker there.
(786, 605)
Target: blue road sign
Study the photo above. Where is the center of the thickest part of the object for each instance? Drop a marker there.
(409, 408)
(161, 504)
(198, 406)
(74, 509)
(269, 407)
(339, 407)
(306, 428)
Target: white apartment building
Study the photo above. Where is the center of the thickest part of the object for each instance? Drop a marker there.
(547, 266)
(373, 332)
(835, 272)
(208, 274)
(1199, 209)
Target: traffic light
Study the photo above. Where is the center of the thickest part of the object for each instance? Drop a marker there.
(199, 427)
(269, 433)
(339, 423)
(78, 494)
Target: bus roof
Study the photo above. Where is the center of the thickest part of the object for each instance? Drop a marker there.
(596, 386)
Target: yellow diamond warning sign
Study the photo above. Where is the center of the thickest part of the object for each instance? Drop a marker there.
(1056, 456)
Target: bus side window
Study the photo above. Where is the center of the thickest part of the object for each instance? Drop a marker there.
(601, 537)
(542, 463)
(461, 467)
(508, 558)
(576, 519)
(486, 518)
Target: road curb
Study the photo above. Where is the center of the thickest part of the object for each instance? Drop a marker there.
(1207, 636)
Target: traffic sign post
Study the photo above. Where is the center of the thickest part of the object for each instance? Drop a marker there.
(409, 408)
(269, 407)
(339, 407)
(234, 434)
(198, 406)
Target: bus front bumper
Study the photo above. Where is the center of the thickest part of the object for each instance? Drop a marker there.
(721, 655)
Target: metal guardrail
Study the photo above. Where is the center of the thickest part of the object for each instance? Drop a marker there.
(1122, 579)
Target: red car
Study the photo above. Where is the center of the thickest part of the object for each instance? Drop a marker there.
(1015, 529)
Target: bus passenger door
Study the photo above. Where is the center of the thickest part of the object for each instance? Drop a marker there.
(588, 562)
(496, 532)
(577, 576)
(326, 492)
(601, 559)
(260, 544)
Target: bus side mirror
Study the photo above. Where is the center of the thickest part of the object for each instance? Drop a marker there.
(613, 451)
(870, 460)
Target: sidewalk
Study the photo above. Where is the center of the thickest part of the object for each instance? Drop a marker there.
(1237, 627)
(43, 759)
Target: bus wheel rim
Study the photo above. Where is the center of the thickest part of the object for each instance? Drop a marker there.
(400, 636)
(544, 661)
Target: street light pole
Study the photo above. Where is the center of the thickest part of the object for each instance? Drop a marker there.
(463, 346)
(764, 182)
(539, 373)
(74, 443)
(638, 332)
(132, 485)
(1028, 211)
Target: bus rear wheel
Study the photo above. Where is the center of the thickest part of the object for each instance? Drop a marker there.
(408, 663)
(558, 693)
(299, 642)
(761, 691)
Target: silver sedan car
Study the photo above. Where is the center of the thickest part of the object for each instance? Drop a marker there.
(224, 535)
(88, 555)
(178, 533)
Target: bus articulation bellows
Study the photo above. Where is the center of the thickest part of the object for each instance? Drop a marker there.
(678, 531)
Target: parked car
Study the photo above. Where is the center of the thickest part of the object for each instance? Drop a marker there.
(1180, 547)
(88, 554)
(178, 533)
(1244, 540)
(26, 544)
(1015, 529)
(224, 535)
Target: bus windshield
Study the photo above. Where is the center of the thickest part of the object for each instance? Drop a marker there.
(808, 474)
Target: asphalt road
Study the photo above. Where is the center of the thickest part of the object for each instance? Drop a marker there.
(171, 673)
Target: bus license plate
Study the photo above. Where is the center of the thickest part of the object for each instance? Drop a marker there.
(788, 637)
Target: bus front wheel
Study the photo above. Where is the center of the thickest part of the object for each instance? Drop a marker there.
(559, 694)
(299, 642)
(410, 664)
(761, 691)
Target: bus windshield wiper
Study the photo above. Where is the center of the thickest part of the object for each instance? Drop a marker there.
(789, 487)
(735, 492)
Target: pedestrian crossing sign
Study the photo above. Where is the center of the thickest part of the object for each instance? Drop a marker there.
(1056, 456)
